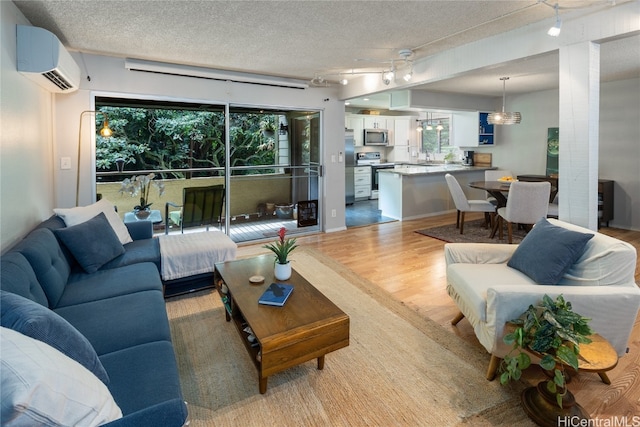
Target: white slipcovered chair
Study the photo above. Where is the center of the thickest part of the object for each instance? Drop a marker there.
(489, 293)
(464, 205)
(527, 203)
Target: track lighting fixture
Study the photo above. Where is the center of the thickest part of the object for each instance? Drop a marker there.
(555, 30)
(408, 75)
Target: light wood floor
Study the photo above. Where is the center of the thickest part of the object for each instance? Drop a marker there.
(411, 268)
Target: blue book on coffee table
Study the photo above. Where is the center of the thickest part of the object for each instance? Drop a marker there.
(276, 294)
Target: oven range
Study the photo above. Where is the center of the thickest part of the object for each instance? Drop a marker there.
(372, 159)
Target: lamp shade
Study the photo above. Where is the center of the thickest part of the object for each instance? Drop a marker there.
(503, 118)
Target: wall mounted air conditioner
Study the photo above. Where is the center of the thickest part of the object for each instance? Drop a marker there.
(42, 58)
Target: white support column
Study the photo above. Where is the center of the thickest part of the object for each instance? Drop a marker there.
(579, 113)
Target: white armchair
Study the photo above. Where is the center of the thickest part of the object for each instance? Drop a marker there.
(600, 285)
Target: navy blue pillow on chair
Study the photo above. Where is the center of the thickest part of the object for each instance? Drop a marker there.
(548, 251)
(92, 243)
(38, 322)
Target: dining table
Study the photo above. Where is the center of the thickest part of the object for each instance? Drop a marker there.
(496, 189)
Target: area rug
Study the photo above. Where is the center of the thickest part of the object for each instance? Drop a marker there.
(400, 369)
(474, 232)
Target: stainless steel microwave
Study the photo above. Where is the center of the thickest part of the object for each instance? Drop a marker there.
(376, 137)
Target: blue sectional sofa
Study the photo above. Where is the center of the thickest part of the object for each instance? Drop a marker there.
(119, 309)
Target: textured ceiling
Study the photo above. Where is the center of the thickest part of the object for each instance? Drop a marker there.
(302, 39)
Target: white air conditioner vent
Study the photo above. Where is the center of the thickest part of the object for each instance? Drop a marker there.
(42, 58)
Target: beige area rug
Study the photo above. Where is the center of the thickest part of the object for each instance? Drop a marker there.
(399, 369)
(474, 232)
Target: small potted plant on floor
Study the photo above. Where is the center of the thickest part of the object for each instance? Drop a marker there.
(553, 332)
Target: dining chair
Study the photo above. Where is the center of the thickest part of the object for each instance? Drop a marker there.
(494, 175)
(527, 203)
(201, 206)
(465, 205)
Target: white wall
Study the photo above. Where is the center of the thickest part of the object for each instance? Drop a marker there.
(26, 189)
(522, 148)
(110, 77)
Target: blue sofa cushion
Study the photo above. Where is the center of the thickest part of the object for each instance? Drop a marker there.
(43, 251)
(133, 385)
(103, 284)
(93, 243)
(34, 320)
(548, 251)
(145, 250)
(116, 323)
(17, 276)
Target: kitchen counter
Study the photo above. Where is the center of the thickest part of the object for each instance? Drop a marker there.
(411, 191)
(431, 168)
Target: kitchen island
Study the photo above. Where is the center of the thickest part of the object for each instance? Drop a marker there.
(413, 191)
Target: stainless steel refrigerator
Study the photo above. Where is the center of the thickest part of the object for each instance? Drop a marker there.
(349, 164)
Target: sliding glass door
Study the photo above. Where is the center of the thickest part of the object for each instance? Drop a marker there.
(268, 160)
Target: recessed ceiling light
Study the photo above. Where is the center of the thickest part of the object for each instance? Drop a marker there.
(365, 99)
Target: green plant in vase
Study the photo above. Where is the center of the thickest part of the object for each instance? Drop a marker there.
(552, 331)
(282, 248)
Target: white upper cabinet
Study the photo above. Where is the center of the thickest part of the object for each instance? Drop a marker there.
(470, 129)
(375, 122)
(357, 124)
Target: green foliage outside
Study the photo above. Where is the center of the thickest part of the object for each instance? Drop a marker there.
(157, 139)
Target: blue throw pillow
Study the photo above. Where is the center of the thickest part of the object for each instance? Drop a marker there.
(548, 251)
(38, 322)
(92, 243)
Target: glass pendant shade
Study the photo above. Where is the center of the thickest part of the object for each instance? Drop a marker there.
(502, 117)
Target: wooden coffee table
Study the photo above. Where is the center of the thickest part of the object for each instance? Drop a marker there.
(307, 327)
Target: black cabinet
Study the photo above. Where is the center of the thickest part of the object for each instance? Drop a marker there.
(605, 201)
(605, 195)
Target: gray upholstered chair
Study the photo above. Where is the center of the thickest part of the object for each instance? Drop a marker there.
(465, 205)
(527, 203)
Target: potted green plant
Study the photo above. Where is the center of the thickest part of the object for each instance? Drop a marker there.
(282, 248)
(553, 332)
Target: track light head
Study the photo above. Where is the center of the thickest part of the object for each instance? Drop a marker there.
(557, 27)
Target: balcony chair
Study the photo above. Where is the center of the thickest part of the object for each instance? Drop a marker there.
(527, 203)
(492, 284)
(201, 206)
(465, 205)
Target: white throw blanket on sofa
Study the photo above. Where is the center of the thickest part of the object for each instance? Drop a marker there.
(184, 255)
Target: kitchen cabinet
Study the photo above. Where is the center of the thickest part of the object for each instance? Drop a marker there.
(485, 130)
(402, 140)
(471, 129)
(362, 182)
(375, 122)
(357, 124)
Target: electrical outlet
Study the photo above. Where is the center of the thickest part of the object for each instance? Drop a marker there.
(334, 213)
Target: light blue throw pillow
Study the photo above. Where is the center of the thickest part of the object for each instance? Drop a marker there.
(92, 243)
(548, 251)
(38, 322)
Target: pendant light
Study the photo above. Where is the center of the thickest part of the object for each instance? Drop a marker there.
(504, 118)
(429, 127)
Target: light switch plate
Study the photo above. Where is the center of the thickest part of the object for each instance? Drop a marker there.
(65, 163)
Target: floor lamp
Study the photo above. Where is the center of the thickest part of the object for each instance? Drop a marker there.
(104, 132)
